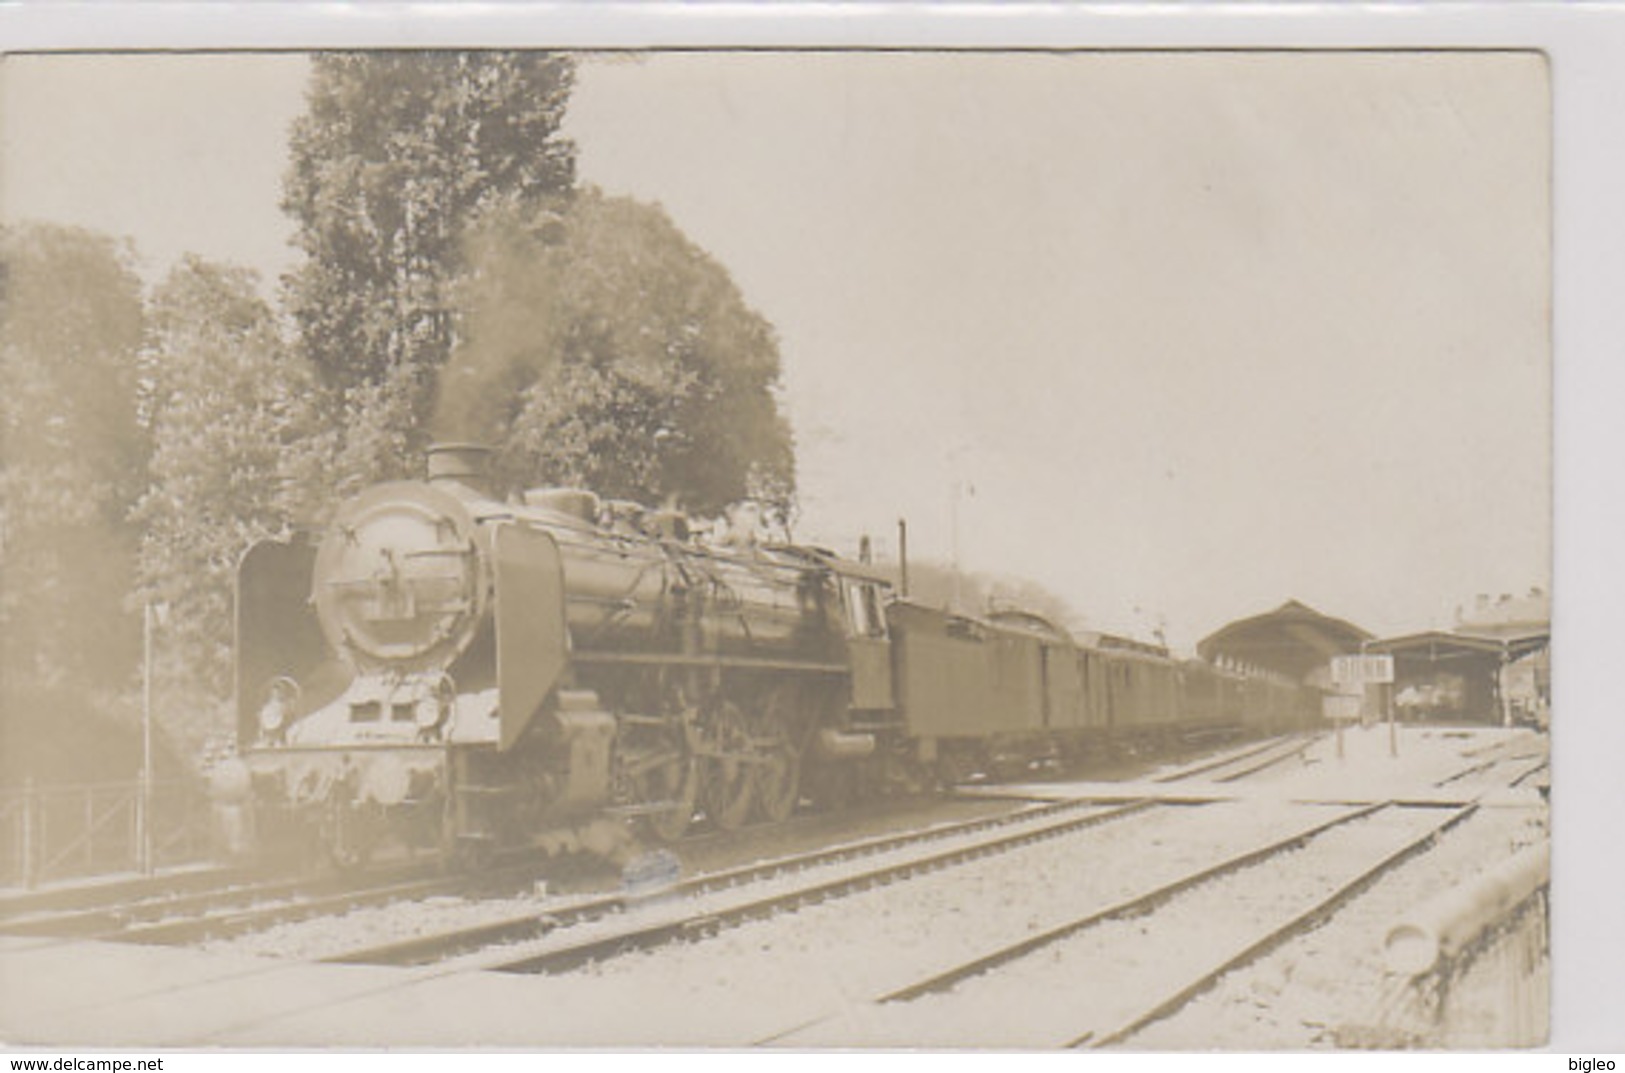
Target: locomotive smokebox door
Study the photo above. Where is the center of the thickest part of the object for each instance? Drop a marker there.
(532, 645)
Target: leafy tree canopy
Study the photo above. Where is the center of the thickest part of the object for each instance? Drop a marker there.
(72, 453)
(397, 154)
(71, 325)
(604, 349)
(229, 405)
(72, 459)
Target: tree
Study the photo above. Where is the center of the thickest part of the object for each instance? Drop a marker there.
(604, 349)
(935, 585)
(228, 406)
(396, 156)
(72, 462)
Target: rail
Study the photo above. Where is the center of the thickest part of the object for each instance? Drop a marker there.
(535, 930)
(70, 831)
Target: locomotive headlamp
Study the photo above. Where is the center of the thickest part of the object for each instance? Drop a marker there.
(273, 715)
(435, 707)
(281, 696)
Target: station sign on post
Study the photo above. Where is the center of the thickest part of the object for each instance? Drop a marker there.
(1363, 670)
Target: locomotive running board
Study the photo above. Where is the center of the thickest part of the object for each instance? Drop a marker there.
(675, 659)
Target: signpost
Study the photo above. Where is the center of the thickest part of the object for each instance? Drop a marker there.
(1340, 708)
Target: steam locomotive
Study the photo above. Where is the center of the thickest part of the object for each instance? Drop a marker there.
(451, 667)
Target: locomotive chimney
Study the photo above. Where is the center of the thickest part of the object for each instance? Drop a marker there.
(468, 464)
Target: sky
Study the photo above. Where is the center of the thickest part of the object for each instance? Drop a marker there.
(1179, 336)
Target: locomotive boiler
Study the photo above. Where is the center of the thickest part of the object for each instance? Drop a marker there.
(473, 670)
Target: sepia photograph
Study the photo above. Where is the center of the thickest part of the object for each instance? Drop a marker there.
(799, 549)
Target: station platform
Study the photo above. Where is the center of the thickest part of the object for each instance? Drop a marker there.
(89, 994)
(56, 993)
(1418, 765)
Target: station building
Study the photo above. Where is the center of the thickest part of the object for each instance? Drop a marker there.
(1293, 641)
(1494, 667)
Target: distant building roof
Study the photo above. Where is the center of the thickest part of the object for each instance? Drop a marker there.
(1505, 613)
(1293, 640)
(1497, 628)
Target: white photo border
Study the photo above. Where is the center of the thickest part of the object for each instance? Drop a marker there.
(1585, 45)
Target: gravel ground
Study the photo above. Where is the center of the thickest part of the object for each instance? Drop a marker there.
(859, 947)
(764, 979)
(657, 910)
(327, 936)
(700, 853)
(819, 969)
(1098, 979)
(1328, 988)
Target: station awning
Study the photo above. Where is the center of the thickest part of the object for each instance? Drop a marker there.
(1437, 646)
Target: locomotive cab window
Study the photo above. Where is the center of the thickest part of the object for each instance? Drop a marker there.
(863, 609)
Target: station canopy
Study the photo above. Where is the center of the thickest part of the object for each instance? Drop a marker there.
(1437, 646)
(1474, 658)
(1294, 640)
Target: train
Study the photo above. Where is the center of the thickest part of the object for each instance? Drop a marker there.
(452, 666)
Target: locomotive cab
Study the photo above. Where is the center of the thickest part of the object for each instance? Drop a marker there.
(864, 593)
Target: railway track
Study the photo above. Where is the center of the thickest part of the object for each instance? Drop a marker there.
(1534, 769)
(217, 926)
(1290, 750)
(1004, 832)
(227, 910)
(1115, 919)
(1239, 764)
(531, 925)
(227, 903)
(224, 903)
(1303, 921)
(142, 907)
(86, 897)
(1526, 762)
(964, 993)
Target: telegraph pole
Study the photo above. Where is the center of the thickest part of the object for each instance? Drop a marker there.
(152, 617)
(144, 808)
